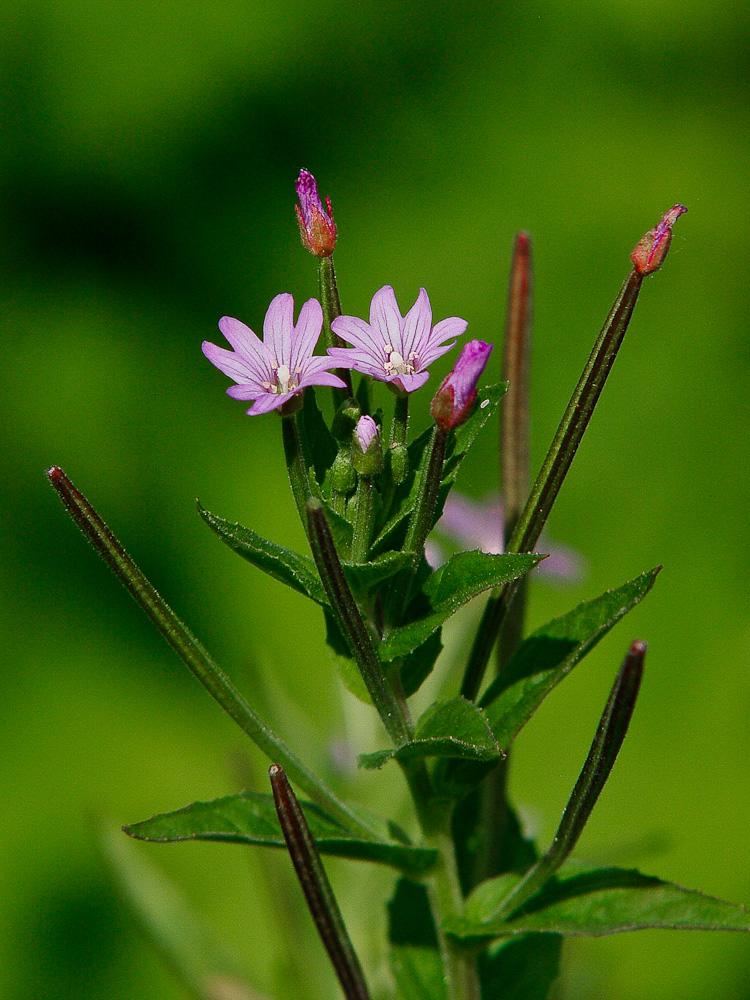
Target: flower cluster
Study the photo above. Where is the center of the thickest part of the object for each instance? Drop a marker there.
(391, 348)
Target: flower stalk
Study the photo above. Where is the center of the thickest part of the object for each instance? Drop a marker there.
(611, 732)
(553, 472)
(317, 889)
(352, 625)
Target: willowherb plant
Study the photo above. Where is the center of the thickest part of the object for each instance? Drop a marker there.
(478, 910)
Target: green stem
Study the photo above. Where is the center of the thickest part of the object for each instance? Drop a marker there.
(362, 524)
(553, 472)
(329, 298)
(400, 422)
(515, 478)
(317, 889)
(192, 652)
(299, 478)
(352, 625)
(611, 732)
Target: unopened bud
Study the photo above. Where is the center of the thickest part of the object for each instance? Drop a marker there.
(316, 226)
(343, 477)
(651, 250)
(399, 462)
(455, 397)
(367, 453)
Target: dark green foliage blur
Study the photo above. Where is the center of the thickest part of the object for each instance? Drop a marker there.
(147, 162)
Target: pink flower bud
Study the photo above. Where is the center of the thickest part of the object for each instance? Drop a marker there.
(316, 226)
(455, 397)
(367, 429)
(651, 250)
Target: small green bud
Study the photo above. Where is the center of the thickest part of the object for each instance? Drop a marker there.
(343, 476)
(399, 462)
(345, 420)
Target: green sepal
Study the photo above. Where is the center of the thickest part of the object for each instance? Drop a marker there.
(455, 728)
(464, 576)
(522, 968)
(415, 958)
(296, 571)
(250, 818)
(550, 653)
(418, 665)
(584, 901)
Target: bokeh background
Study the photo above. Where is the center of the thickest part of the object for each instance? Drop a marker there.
(147, 162)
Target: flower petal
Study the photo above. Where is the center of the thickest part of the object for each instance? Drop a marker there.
(433, 353)
(268, 401)
(411, 382)
(247, 390)
(277, 329)
(232, 364)
(355, 331)
(453, 326)
(306, 333)
(241, 337)
(322, 378)
(385, 318)
(417, 327)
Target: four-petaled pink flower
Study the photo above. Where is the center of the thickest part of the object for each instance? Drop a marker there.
(272, 371)
(395, 348)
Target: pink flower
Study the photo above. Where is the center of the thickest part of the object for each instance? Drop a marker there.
(478, 524)
(282, 365)
(455, 397)
(316, 226)
(394, 348)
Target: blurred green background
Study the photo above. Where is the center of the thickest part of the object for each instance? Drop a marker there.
(147, 166)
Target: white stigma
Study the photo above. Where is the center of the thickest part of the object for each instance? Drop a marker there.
(395, 364)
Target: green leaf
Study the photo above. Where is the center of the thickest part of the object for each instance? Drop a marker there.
(362, 577)
(250, 818)
(418, 665)
(193, 954)
(590, 902)
(455, 728)
(522, 968)
(296, 571)
(415, 958)
(550, 653)
(464, 576)
(318, 444)
(464, 436)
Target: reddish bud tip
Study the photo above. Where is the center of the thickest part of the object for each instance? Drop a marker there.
(455, 397)
(638, 648)
(55, 474)
(651, 250)
(316, 226)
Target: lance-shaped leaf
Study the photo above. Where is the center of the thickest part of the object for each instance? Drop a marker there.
(455, 728)
(550, 653)
(589, 902)
(316, 888)
(415, 957)
(363, 577)
(296, 571)
(464, 576)
(417, 665)
(250, 818)
(197, 959)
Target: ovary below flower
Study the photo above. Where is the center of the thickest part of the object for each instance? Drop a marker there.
(273, 370)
